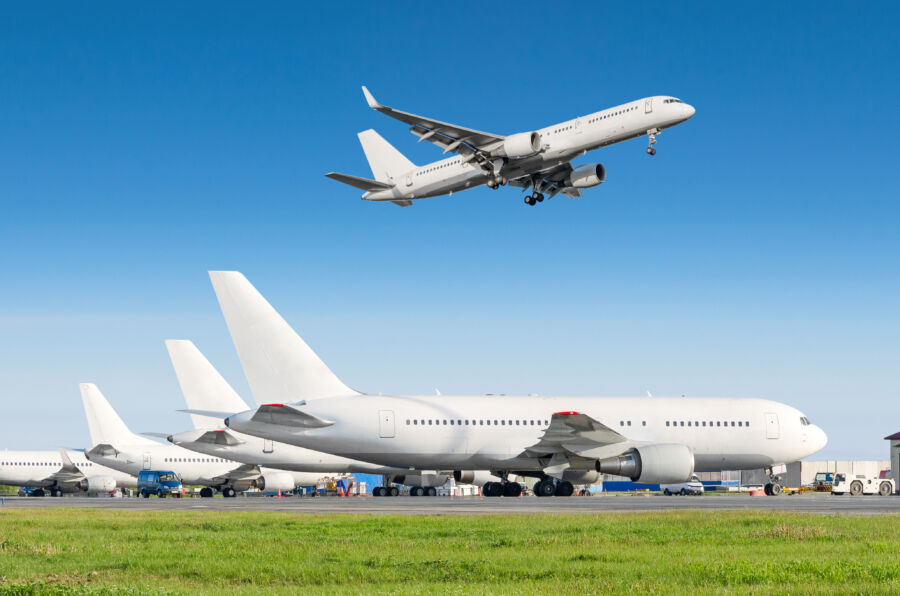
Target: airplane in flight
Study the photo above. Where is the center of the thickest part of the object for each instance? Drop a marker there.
(116, 447)
(561, 441)
(57, 472)
(539, 159)
(207, 392)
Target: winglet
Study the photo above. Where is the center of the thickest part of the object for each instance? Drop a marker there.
(370, 99)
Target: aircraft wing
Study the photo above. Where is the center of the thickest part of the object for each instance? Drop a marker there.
(68, 473)
(449, 137)
(243, 472)
(573, 437)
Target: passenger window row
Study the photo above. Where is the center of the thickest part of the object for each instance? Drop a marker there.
(628, 423)
(189, 460)
(611, 114)
(446, 422)
(436, 168)
(40, 463)
(718, 423)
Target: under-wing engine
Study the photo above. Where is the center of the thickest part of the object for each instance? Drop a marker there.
(276, 481)
(522, 144)
(97, 484)
(654, 464)
(586, 176)
(479, 477)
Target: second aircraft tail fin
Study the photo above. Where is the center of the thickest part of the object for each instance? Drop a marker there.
(201, 384)
(386, 162)
(105, 425)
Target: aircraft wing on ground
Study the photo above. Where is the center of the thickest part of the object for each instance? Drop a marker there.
(245, 472)
(69, 473)
(574, 438)
(449, 137)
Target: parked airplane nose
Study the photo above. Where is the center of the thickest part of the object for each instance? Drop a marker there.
(817, 438)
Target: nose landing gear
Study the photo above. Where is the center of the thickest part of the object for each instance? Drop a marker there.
(651, 135)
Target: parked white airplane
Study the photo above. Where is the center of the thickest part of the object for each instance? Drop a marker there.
(206, 391)
(58, 472)
(538, 159)
(560, 440)
(115, 446)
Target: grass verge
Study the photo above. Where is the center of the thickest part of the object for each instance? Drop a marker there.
(107, 551)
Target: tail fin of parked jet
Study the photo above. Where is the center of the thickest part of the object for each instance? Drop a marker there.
(201, 384)
(280, 367)
(104, 423)
(386, 162)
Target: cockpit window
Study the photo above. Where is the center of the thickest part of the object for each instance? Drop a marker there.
(672, 100)
(804, 421)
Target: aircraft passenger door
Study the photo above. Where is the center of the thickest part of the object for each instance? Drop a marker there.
(268, 445)
(773, 431)
(578, 127)
(409, 181)
(648, 105)
(147, 461)
(386, 424)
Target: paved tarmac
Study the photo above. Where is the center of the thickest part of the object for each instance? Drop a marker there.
(822, 503)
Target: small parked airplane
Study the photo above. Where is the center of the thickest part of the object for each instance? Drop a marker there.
(539, 159)
(56, 472)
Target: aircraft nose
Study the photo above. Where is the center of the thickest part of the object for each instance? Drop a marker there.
(688, 111)
(818, 438)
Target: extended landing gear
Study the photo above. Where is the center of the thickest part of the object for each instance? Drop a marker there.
(423, 491)
(228, 492)
(385, 491)
(774, 487)
(651, 135)
(502, 489)
(206, 492)
(534, 198)
(550, 488)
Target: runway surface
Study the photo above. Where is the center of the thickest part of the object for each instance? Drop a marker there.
(823, 503)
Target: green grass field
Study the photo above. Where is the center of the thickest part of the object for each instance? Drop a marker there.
(107, 551)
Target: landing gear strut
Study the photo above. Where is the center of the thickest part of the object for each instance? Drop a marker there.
(651, 135)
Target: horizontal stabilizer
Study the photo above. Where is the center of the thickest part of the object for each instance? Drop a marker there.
(284, 415)
(360, 183)
(219, 437)
(208, 413)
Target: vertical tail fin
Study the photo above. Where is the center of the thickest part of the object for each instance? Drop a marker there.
(201, 384)
(104, 423)
(386, 162)
(279, 366)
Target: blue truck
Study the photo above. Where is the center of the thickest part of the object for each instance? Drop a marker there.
(159, 483)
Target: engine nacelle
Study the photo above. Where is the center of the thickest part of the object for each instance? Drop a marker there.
(277, 481)
(478, 477)
(426, 480)
(586, 176)
(97, 484)
(654, 464)
(522, 144)
(581, 476)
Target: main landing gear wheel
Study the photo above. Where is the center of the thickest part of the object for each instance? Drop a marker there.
(228, 492)
(206, 492)
(545, 488)
(564, 489)
(492, 489)
(378, 491)
(537, 197)
(529, 200)
(512, 489)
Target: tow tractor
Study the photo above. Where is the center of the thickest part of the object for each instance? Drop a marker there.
(860, 484)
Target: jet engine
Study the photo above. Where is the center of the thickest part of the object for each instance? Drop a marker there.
(426, 479)
(522, 144)
(581, 476)
(654, 464)
(97, 484)
(277, 481)
(586, 176)
(478, 477)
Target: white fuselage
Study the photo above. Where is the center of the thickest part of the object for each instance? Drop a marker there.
(492, 432)
(560, 143)
(193, 468)
(281, 456)
(33, 468)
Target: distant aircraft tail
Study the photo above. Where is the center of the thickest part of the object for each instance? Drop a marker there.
(104, 423)
(279, 366)
(386, 162)
(201, 384)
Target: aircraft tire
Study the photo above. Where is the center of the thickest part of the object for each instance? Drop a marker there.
(564, 489)
(431, 491)
(395, 492)
(512, 489)
(667, 492)
(545, 488)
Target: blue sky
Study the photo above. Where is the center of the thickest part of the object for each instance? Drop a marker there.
(755, 255)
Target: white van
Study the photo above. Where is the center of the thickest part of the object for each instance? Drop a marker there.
(691, 487)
